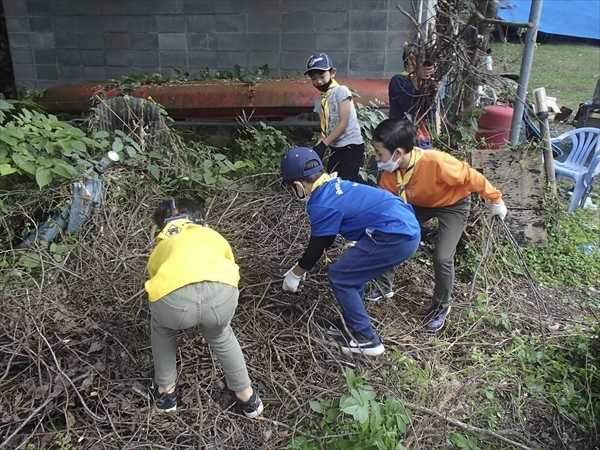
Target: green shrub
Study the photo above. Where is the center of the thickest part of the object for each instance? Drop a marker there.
(41, 147)
(358, 420)
(264, 145)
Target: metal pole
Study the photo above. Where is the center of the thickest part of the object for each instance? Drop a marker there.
(534, 18)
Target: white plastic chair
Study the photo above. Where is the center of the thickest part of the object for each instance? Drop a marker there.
(580, 161)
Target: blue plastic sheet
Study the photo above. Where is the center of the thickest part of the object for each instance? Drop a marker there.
(579, 18)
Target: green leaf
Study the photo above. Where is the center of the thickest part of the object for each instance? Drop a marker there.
(24, 163)
(350, 377)
(299, 443)
(316, 406)
(155, 155)
(131, 152)
(43, 176)
(154, 170)
(11, 136)
(63, 169)
(31, 260)
(5, 105)
(79, 146)
(463, 442)
(6, 169)
(332, 414)
(44, 162)
(209, 179)
(229, 164)
(355, 409)
(101, 134)
(367, 393)
(117, 145)
(67, 146)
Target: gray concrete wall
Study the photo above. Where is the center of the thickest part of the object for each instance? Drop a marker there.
(56, 42)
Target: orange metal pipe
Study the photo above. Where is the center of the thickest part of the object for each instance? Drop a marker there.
(219, 99)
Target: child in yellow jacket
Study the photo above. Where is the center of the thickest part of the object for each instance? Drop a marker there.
(436, 184)
(193, 281)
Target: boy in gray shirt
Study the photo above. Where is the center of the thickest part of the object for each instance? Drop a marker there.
(340, 130)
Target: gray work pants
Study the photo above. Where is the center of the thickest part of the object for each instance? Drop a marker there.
(451, 224)
(210, 305)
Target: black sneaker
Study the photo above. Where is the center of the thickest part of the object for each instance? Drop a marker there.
(253, 407)
(364, 346)
(333, 326)
(377, 295)
(163, 402)
(436, 318)
(428, 235)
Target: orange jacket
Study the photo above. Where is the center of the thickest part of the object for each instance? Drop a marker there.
(439, 179)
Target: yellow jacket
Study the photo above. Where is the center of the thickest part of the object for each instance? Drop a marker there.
(188, 253)
(439, 179)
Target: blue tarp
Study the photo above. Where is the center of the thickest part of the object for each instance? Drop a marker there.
(579, 18)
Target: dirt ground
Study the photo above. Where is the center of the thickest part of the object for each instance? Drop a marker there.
(76, 346)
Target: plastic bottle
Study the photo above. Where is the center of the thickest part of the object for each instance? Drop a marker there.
(106, 161)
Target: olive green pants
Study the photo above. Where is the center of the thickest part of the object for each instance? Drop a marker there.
(451, 224)
(210, 305)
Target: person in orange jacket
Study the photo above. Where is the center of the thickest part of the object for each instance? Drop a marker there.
(438, 185)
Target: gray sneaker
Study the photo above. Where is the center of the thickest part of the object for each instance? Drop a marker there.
(436, 319)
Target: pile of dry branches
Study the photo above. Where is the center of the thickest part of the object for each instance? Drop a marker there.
(76, 349)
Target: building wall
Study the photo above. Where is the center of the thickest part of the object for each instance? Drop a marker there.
(56, 42)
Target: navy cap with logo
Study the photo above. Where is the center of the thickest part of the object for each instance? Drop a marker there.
(293, 162)
(319, 61)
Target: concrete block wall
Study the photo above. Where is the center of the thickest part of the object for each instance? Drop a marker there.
(55, 42)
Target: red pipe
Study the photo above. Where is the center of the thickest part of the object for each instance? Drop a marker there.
(217, 99)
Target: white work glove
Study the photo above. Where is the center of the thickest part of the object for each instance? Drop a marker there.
(291, 281)
(498, 209)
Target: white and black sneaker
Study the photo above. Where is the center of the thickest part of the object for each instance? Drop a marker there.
(332, 326)
(163, 402)
(253, 407)
(361, 345)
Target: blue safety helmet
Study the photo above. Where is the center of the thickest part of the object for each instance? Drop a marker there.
(319, 61)
(293, 162)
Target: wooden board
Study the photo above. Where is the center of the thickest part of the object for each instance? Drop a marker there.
(520, 177)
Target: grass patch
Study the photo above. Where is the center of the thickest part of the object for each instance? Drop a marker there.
(568, 72)
(572, 257)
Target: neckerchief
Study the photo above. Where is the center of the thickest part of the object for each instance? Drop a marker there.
(323, 179)
(325, 108)
(403, 180)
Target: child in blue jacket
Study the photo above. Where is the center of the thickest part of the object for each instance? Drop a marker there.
(385, 230)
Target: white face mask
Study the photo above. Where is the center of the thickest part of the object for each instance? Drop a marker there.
(305, 196)
(390, 165)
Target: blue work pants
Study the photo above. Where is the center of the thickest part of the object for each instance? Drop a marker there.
(373, 254)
